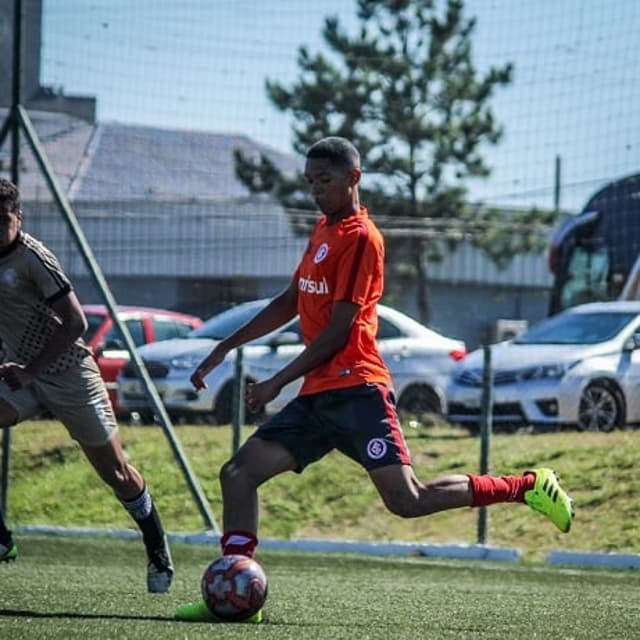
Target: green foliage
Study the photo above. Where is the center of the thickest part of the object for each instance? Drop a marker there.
(505, 234)
(79, 588)
(405, 90)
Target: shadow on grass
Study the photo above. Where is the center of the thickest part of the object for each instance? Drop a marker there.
(27, 613)
(70, 615)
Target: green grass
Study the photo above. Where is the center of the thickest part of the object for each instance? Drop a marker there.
(94, 588)
(51, 483)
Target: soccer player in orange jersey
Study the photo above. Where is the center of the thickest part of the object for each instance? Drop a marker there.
(346, 401)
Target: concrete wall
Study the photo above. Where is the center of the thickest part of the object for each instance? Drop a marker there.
(196, 296)
(470, 311)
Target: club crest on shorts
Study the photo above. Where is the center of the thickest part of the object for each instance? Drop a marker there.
(376, 448)
(321, 253)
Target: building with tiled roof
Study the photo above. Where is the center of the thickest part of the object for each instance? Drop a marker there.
(167, 220)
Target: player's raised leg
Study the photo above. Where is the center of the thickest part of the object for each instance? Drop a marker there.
(408, 497)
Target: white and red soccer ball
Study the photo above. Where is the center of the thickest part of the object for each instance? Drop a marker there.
(234, 587)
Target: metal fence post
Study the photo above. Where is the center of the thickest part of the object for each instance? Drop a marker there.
(486, 421)
(238, 400)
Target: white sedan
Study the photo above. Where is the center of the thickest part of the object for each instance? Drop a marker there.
(420, 361)
(580, 368)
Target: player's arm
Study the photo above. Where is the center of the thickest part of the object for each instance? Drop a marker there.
(73, 324)
(331, 340)
(324, 347)
(279, 311)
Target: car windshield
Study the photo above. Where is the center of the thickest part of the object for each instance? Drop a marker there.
(576, 328)
(224, 324)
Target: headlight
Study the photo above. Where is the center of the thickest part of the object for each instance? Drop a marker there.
(553, 371)
(185, 362)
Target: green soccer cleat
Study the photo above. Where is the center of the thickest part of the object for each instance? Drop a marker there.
(9, 552)
(198, 612)
(549, 498)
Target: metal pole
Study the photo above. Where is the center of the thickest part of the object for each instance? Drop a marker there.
(485, 434)
(556, 186)
(6, 127)
(11, 124)
(238, 400)
(15, 89)
(94, 268)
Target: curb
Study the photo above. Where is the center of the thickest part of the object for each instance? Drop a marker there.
(608, 560)
(451, 551)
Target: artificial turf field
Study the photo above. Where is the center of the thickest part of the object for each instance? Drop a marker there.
(94, 589)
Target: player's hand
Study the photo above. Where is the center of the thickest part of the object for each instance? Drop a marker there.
(15, 375)
(204, 368)
(258, 394)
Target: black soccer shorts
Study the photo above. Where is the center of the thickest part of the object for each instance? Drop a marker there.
(361, 422)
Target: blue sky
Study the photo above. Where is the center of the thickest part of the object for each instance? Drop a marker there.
(201, 64)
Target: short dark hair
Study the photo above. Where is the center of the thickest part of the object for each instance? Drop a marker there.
(339, 151)
(9, 196)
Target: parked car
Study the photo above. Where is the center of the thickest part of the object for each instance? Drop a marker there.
(145, 325)
(580, 368)
(419, 359)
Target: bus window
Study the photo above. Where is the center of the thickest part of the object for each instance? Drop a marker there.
(592, 254)
(587, 277)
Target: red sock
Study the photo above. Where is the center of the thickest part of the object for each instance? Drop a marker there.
(493, 489)
(242, 543)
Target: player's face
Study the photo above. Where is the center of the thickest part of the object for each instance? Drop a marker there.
(10, 221)
(332, 187)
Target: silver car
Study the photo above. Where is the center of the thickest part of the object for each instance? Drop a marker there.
(580, 368)
(420, 361)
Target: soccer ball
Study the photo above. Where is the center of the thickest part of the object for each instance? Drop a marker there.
(234, 587)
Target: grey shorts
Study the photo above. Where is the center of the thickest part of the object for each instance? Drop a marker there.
(361, 422)
(77, 397)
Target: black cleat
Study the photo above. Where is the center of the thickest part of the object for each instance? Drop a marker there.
(159, 569)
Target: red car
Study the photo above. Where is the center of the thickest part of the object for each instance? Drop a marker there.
(145, 325)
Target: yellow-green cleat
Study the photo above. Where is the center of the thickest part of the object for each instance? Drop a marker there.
(199, 612)
(549, 498)
(8, 553)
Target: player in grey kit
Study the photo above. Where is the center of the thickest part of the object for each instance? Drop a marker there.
(48, 366)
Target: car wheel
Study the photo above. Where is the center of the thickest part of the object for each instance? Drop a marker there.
(419, 403)
(223, 410)
(600, 408)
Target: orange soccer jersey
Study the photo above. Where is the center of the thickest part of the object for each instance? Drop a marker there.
(343, 262)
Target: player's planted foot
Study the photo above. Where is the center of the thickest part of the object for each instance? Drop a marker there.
(549, 498)
(159, 569)
(199, 612)
(8, 552)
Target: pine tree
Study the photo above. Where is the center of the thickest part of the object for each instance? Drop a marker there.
(405, 90)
